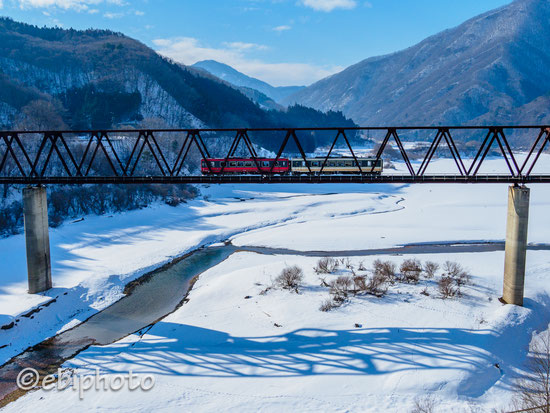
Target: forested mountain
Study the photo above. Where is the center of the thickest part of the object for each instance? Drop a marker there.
(491, 69)
(97, 79)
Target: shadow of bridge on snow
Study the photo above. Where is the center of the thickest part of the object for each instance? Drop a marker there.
(183, 350)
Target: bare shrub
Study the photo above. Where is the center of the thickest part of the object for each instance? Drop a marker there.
(457, 273)
(340, 288)
(290, 278)
(328, 305)
(425, 404)
(430, 268)
(386, 269)
(463, 279)
(326, 266)
(410, 270)
(447, 287)
(348, 264)
(324, 282)
(452, 268)
(533, 389)
(361, 266)
(377, 285)
(359, 283)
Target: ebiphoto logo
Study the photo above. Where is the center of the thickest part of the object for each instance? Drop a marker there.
(29, 378)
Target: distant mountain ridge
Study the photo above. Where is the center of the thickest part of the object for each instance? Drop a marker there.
(233, 76)
(491, 69)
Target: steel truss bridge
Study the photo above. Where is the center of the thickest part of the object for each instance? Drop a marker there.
(166, 155)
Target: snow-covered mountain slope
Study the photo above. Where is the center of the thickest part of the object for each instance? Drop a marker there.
(491, 69)
(229, 74)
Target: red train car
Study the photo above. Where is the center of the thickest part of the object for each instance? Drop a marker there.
(245, 166)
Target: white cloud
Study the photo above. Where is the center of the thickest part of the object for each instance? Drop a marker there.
(245, 46)
(329, 5)
(281, 28)
(78, 5)
(111, 15)
(188, 50)
(1, 4)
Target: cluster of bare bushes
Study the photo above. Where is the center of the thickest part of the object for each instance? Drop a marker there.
(385, 274)
(351, 280)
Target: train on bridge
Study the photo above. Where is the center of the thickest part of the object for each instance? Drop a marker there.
(294, 166)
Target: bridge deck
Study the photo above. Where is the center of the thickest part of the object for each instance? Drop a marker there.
(276, 179)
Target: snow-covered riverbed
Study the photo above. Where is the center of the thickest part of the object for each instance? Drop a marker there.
(220, 351)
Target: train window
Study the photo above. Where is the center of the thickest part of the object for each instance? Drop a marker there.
(349, 163)
(265, 163)
(315, 163)
(240, 163)
(379, 163)
(232, 164)
(249, 164)
(331, 164)
(223, 164)
(296, 163)
(283, 163)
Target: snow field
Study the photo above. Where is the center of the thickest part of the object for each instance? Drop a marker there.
(279, 351)
(221, 351)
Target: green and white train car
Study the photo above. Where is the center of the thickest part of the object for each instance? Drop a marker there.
(343, 165)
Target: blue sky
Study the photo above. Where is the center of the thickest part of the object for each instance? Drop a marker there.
(283, 42)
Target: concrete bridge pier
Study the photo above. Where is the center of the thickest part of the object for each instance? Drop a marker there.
(516, 244)
(35, 210)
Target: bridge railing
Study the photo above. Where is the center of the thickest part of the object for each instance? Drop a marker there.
(174, 155)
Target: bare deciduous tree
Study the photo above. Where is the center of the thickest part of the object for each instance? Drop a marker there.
(386, 269)
(430, 268)
(377, 285)
(456, 272)
(447, 288)
(533, 389)
(340, 288)
(327, 305)
(290, 278)
(410, 270)
(359, 283)
(425, 404)
(326, 266)
(41, 115)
